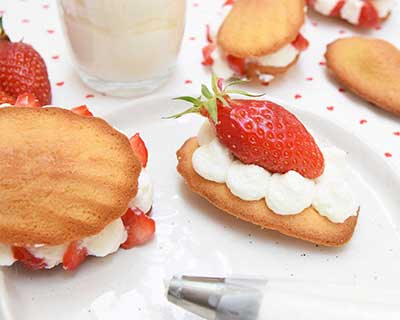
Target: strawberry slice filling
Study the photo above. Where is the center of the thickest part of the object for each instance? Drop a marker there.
(140, 228)
(239, 65)
(364, 13)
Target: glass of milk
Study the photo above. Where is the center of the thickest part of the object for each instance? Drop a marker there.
(123, 47)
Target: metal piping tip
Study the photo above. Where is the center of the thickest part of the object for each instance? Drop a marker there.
(217, 298)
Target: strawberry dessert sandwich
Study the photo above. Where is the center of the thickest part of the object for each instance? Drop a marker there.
(362, 13)
(255, 39)
(71, 187)
(256, 161)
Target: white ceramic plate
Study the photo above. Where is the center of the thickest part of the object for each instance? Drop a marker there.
(195, 238)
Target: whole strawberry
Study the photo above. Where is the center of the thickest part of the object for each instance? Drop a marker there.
(22, 70)
(259, 132)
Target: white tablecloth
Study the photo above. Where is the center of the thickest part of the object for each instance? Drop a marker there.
(307, 85)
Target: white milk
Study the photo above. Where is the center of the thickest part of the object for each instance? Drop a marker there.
(123, 41)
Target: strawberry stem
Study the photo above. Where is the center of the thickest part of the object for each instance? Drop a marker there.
(208, 100)
(3, 35)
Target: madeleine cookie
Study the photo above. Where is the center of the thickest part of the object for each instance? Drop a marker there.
(308, 225)
(255, 160)
(67, 181)
(368, 67)
(362, 13)
(256, 39)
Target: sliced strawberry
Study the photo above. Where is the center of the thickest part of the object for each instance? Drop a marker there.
(139, 148)
(337, 9)
(6, 98)
(207, 54)
(139, 226)
(82, 110)
(229, 3)
(28, 259)
(369, 17)
(74, 256)
(27, 100)
(237, 64)
(300, 43)
(208, 34)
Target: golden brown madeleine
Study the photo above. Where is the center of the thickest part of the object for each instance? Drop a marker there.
(63, 176)
(259, 27)
(309, 225)
(368, 67)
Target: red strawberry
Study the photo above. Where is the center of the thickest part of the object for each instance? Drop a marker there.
(369, 17)
(74, 256)
(6, 98)
(22, 70)
(82, 110)
(238, 65)
(259, 132)
(337, 9)
(207, 52)
(27, 100)
(139, 226)
(300, 43)
(229, 3)
(28, 259)
(139, 148)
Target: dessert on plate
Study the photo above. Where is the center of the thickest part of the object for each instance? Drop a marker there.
(362, 13)
(71, 187)
(256, 161)
(368, 67)
(255, 39)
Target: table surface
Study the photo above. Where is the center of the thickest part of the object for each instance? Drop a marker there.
(307, 85)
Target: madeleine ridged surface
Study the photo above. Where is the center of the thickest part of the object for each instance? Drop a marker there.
(309, 225)
(368, 67)
(259, 27)
(63, 177)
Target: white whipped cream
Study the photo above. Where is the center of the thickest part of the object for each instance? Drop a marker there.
(285, 194)
(206, 134)
(248, 182)
(289, 193)
(51, 255)
(351, 11)
(325, 6)
(281, 58)
(334, 199)
(144, 197)
(6, 255)
(5, 105)
(107, 241)
(212, 161)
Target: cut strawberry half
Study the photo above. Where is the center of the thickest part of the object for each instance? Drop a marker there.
(300, 43)
(207, 54)
(369, 17)
(337, 9)
(27, 100)
(139, 148)
(74, 256)
(208, 34)
(82, 110)
(238, 65)
(139, 226)
(229, 3)
(28, 259)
